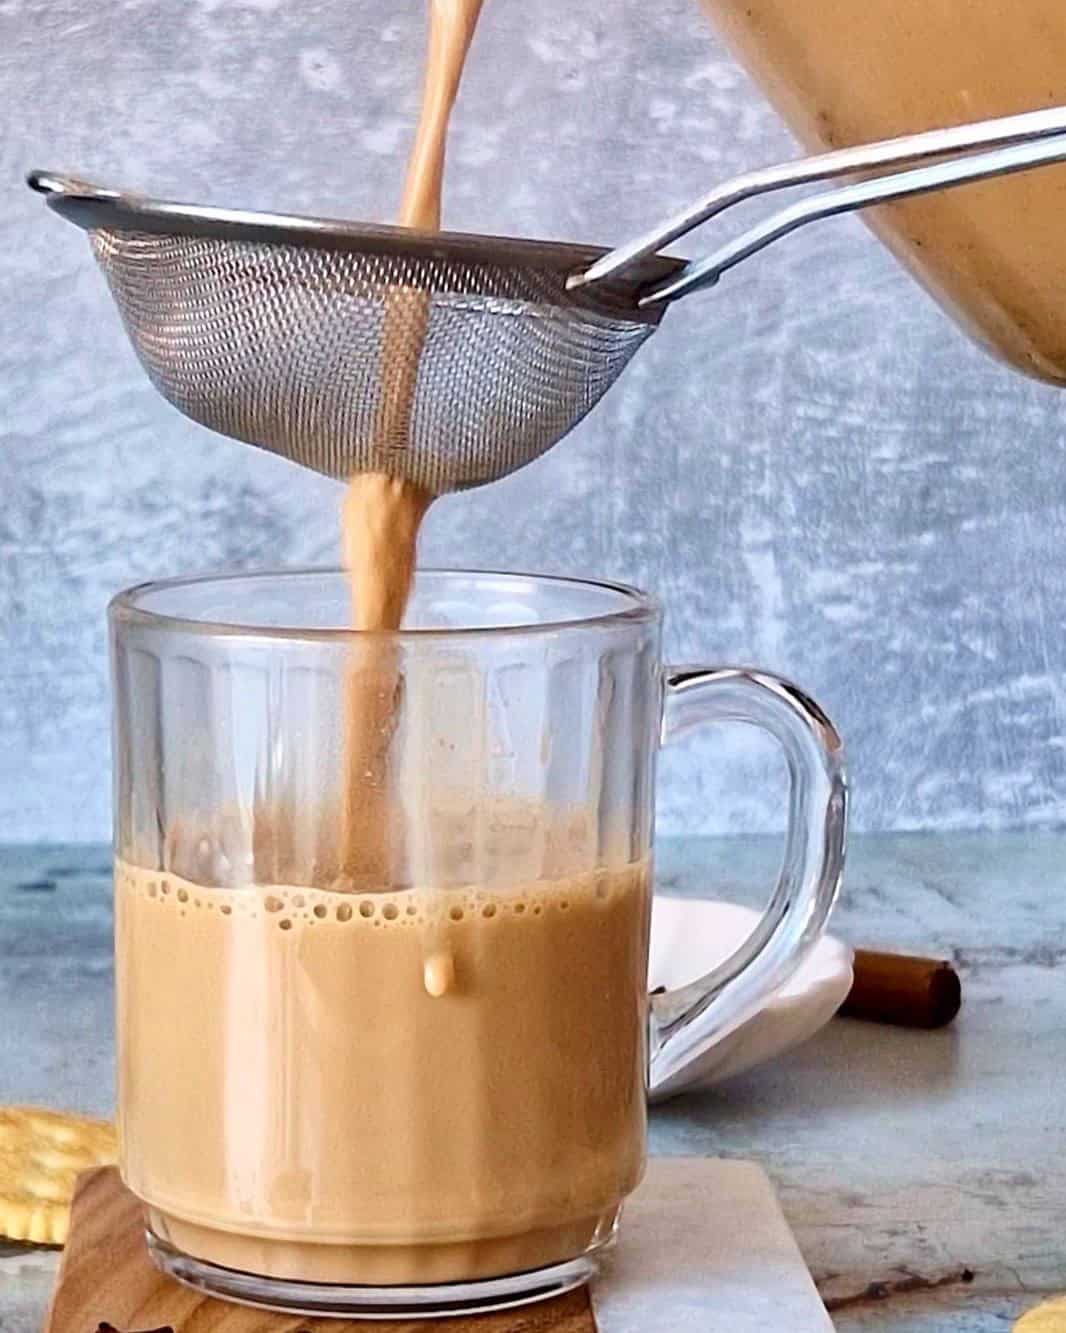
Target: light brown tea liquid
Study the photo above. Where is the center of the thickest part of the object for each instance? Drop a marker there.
(382, 513)
(296, 1103)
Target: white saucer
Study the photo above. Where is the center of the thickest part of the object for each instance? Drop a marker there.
(690, 936)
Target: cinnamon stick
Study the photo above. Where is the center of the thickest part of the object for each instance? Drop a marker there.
(904, 991)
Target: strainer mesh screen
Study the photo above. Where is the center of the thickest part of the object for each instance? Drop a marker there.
(448, 372)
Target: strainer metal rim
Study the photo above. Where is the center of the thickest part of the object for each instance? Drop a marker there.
(94, 207)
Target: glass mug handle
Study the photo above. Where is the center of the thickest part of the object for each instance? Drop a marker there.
(685, 1021)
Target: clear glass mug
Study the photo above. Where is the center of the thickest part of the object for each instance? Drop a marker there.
(427, 1095)
(843, 72)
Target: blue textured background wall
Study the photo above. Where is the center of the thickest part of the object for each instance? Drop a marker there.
(809, 466)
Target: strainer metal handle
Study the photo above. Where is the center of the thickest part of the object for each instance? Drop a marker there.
(1011, 144)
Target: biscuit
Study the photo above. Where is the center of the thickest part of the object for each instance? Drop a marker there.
(41, 1155)
(1048, 1317)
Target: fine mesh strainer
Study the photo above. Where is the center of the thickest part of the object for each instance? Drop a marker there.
(289, 332)
(449, 359)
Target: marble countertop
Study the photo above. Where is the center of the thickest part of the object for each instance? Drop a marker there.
(924, 1174)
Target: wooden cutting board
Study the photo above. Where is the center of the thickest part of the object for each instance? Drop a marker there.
(106, 1277)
